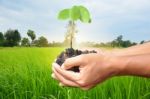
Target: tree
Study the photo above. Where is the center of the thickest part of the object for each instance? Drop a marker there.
(134, 43)
(1, 39)
(73, 14)
(114, 43)
(25, 42)
(32, 35)
(126, 43)
(42, 42)
(12, 38)
(142, 42)
(119, 40)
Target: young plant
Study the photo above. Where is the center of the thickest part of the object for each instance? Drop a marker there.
(73, 14)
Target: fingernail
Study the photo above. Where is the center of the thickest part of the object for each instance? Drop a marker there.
(53, 76)
(60, 84)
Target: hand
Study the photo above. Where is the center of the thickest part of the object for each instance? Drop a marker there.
(94, 69)
(97, 67)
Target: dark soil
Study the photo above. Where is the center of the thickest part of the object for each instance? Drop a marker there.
(70, 52)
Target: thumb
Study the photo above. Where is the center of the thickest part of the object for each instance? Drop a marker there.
(72, 62)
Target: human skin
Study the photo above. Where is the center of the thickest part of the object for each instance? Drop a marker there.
(134, 50)
(96, 68)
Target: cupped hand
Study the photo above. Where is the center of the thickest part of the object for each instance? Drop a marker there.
(94, 68)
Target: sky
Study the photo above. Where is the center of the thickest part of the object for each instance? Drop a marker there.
(110, 18)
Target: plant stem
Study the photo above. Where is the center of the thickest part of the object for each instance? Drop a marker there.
(72, 32)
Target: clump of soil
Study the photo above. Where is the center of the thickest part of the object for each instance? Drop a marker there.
(70, 52)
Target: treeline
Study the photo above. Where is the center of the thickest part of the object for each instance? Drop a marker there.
(12, 37)
(118, 42)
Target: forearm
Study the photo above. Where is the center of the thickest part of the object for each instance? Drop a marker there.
(134, 50)
(136, 65)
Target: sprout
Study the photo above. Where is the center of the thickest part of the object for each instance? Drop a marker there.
(73, 14)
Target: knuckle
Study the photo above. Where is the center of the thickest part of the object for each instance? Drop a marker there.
(82, 58)
(82, 83)
(63, 82)
(64, 64)
(66, 61)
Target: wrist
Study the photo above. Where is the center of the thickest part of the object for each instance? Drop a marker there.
(118, 52)
(119, 64)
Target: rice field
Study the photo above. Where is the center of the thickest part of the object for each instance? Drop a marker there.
(25, 73)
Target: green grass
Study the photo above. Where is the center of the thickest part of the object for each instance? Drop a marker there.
(25, 73)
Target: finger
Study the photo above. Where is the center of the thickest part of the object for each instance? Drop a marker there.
(88, 87)
(53, 74)
(53, 65)
(61, 84)
(72, 62)
(64, 81)
(70, 75)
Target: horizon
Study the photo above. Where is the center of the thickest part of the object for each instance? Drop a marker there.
(110, 19)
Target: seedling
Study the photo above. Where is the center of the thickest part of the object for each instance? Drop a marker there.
(73, 14)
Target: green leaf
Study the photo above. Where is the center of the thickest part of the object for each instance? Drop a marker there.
(75, 13)
(84, 15)
(64, 14)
